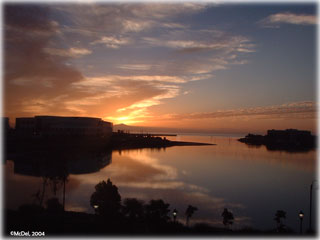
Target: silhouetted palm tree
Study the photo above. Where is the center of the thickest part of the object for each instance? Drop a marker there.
(44, 184)
(227, 217)
(189, 212)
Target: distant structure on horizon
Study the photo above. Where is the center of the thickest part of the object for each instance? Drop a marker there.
(288, 132)
(289, 139)
(62, 126)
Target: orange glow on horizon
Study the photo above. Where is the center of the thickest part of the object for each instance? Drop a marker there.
(127, 120)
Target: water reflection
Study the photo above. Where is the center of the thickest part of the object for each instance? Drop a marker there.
(52, 170)
(56, 163)
(252, 182)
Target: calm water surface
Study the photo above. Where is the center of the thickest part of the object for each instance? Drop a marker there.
(252, 182)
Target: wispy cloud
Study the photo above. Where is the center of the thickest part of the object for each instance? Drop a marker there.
(289, 18)
(125, 17)
(150, 91)
(30, 71)
(191, 41)
(305, 109)
(168, 91)
(139, 67)
(140, 83)
(136, 25)
(112, 42)
(71, 52)
(96, 84)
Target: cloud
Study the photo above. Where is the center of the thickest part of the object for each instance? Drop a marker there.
(125, 17)
(139, 67)
(168, 92)
(197, 40)
(199, 51)
(148, 91)
(289, 18)
(297, 110)
(136, 26)
(30, 72)
(112, 42)
(71, 52)
(143, 92)
(39, 67)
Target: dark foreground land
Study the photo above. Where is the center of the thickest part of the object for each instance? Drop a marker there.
(114, 216)
(58, 223)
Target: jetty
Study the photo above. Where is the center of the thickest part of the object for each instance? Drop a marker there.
(121, 140)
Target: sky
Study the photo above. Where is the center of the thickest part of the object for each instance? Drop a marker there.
(203, 66)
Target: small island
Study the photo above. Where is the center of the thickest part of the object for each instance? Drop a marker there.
(291, 140)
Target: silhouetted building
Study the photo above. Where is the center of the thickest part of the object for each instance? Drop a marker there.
(290, 140)
(57, 126)
(287, 133)
(25, 126)
(5, 122)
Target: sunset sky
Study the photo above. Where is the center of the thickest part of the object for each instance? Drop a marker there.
(212, 67)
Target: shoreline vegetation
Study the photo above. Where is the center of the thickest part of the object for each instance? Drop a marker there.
(114, 216)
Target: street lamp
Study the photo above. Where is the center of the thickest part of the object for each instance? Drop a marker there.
(310, 215)
(174, 213)
(301, 215)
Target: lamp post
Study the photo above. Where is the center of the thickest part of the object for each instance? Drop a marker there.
(96, 206)
(174, 214)
(310, 215)
(301, 215)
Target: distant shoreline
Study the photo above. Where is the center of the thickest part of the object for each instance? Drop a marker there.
(117, 141)
(130, 140)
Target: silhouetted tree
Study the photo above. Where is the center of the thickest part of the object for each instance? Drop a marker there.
(227, 217)
(189, 212)
(157, 211)
(278, 216)
(55, 184)
(133, 208)
(106, 200)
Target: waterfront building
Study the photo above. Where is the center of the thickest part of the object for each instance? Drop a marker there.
(5, 122)
(288, 132)
(25, 126)
(67, 126)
